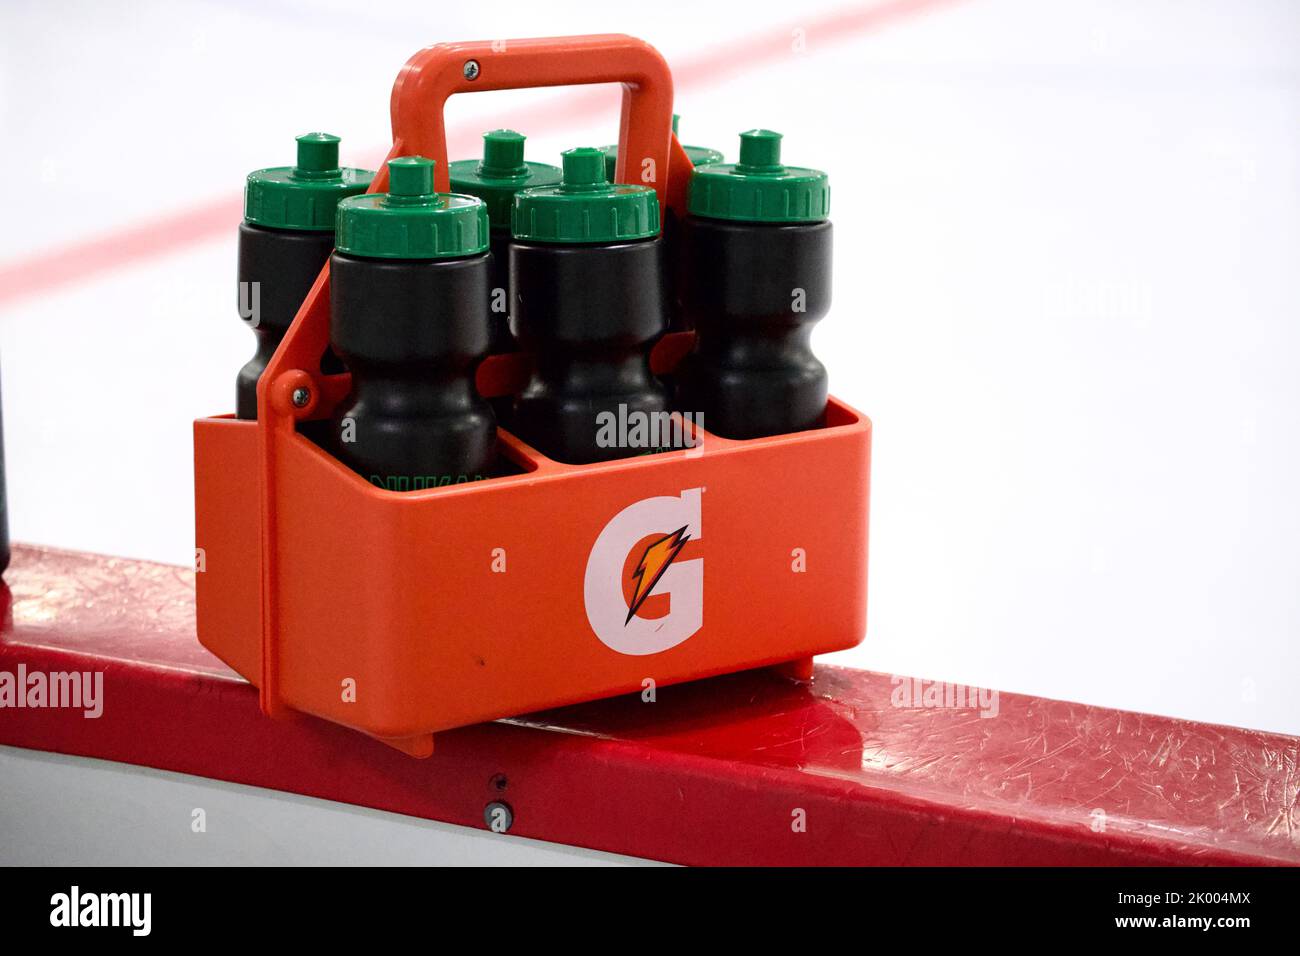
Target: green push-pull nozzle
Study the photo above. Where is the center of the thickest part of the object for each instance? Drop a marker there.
(760, 152)
(410, 180)
(318, 156)
(503, 155)
(584, 170)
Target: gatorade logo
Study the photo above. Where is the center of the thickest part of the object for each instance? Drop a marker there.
(641, 596)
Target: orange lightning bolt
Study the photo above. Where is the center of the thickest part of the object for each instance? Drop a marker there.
(652, 566)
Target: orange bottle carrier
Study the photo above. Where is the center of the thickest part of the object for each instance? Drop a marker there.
(401, 614)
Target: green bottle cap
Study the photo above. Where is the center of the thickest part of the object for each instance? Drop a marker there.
(585, 206)
(500, 174)
(304, 196)
(411, 221)
(759, 188)
(698, 155)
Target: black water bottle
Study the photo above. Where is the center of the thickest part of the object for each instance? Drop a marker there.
(284, 241)
(699, 156)
(588, 299)
(496, 179)
(409, 317)
(757, 249)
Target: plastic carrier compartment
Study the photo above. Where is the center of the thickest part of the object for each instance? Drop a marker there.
(401, 614)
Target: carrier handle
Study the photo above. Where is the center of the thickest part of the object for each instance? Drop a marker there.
(431, 76)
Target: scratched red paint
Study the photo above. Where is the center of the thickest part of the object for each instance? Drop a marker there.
(710, 773)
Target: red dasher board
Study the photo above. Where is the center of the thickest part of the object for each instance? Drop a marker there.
(745, 769)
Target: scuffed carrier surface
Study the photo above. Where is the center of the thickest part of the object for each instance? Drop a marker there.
(711, 773)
